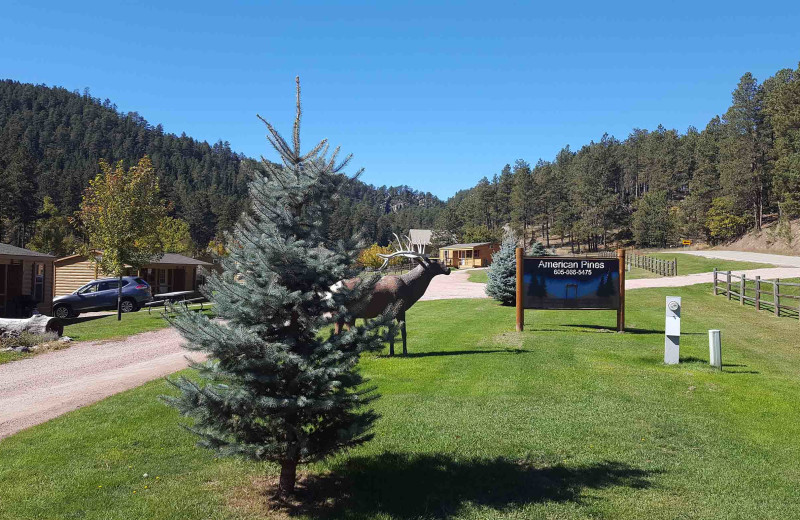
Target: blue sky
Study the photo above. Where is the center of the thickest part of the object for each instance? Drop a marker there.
(433, 95)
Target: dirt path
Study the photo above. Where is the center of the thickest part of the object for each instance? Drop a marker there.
(37, 389)
(692, 279)
(455, 285)
(744, 256)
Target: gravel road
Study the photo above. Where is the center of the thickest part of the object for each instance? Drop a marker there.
(39, 388)
(744, 256)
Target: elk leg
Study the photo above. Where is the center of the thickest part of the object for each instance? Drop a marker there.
(337, 328)
(391, 342)
(402, 320)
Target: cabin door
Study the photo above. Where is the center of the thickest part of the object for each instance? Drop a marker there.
(179, 280)
(14, 288)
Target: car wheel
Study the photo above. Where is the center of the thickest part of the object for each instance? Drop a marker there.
(62, 312)
(128, 306)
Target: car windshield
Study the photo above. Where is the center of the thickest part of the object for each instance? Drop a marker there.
(92, 287)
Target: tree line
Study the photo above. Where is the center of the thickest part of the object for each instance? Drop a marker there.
(655, 186)
(651, 189)
(52, 142)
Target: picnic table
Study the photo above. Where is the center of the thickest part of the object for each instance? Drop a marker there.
(161, 299)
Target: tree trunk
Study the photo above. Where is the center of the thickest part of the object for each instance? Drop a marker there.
(36, 325)
(288, 478)
(119, 299)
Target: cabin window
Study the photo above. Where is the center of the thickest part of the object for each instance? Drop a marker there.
(38, 282)
(477, 253)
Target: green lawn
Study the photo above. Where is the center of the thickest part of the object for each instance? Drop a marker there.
(94, 328)
(565, 420)
(690, 264)
(479, 276)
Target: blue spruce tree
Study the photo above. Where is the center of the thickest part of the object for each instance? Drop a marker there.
(278, 384)
(502, 283)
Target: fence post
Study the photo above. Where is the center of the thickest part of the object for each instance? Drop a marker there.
(715, 281)
(728, 284)
(758, 293)
(742, 289)
(776, 296)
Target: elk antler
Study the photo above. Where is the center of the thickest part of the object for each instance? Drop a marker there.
(408, 252)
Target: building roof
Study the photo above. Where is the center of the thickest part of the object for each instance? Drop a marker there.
(9, 250)
(165, 259)
(467, 246)
(420, 236)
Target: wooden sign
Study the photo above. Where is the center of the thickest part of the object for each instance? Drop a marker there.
(571, 283)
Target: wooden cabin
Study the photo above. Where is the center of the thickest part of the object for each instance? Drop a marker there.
(476, 254)
(171, 272)
(26, 282)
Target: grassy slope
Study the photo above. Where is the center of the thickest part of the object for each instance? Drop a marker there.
(564, 420)
(481, 276)
(105, 327)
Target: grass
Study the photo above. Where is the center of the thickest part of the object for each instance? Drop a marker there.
(479, 276)
(565, 420)
(105, 327)
(690, 264)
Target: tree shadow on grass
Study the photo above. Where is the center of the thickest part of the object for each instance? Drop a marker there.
(599, 328)
(406, 486)
(73, 321)
(459, 352)
(694, 359)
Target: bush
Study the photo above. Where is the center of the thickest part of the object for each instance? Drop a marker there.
(502, 283)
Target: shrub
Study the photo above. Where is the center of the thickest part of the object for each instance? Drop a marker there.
(502, 283)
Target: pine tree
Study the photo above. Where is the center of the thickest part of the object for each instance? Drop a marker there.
(279, 387)
(502, 284)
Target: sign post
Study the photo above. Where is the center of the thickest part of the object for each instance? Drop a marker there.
(576, 283)
(621, 308)
(520, 308)
(672, 331)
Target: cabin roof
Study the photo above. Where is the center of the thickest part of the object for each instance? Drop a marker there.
(471, 245)
(420, 236)
(9, 250)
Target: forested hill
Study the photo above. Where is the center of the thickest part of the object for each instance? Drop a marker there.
(52, 139)
(654, 187)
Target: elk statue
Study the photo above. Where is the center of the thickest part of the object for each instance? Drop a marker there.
(403, 290)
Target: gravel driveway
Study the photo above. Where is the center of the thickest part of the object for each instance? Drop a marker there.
(744, 256)
(39, 388)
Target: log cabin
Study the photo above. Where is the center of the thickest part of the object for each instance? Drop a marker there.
(475, 254)
(26, 282)
(171, 272)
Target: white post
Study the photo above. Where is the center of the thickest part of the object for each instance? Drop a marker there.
(672, 331)
(714, 349)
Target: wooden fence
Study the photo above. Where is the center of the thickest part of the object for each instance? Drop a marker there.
(768, 294)
(652, 264)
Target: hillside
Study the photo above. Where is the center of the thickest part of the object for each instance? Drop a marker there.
(51, 141)
(776, 238)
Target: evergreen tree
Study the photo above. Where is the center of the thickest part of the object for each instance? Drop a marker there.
(276, 387)
(537, 249)
(502, 283)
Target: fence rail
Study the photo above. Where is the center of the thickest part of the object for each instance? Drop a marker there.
(738, 286)
(652, 264)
